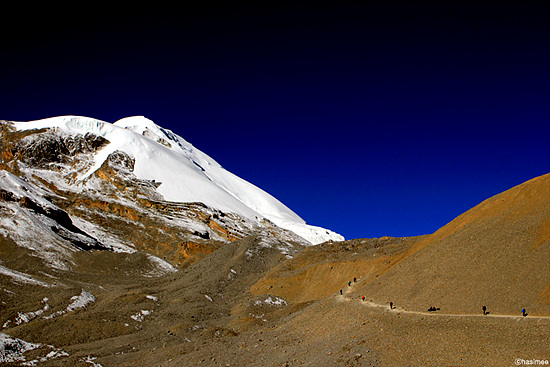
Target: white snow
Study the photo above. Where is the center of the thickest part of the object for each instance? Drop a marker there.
(34, 233)
(186, 174)
(12, 349)
(90, 359)
(232, 274)
(162, 267)
(140, 316)
(77, 302)
(106, 238)
(275, 301)
(22, 277)
(28, 230)
(80, 301)
(20, 188)
(265, 241)
(23, 318)
(55, 353)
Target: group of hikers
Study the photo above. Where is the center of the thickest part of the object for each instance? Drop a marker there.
(362, 297)
(349, 285)
(432, 308)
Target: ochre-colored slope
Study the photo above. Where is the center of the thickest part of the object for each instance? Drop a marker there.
(320, 271)
(496, 254)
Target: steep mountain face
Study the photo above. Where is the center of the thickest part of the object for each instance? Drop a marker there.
(494, 255)
(156, 156)
(129, 186)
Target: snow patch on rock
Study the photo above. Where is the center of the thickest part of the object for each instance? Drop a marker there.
(22, 277)
(80, 301)
(140, 316)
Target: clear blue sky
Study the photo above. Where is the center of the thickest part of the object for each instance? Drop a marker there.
(389, 118)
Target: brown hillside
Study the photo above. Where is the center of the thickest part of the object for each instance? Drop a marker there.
(496, 254)
(320, 271)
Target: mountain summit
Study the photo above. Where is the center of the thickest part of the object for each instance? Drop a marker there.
(175, 170)
(121, 244)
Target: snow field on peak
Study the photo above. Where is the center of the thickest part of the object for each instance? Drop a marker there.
(182, 180)
(185, 173)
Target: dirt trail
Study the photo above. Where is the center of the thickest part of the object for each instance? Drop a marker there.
(398, 310)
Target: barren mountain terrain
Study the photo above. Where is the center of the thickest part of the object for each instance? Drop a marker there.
(494, 255)
(98, 268)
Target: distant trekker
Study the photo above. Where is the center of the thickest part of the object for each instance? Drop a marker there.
(523, 312)
(349, 283)
(484, 308)
(354, 279)
(363, 298)
(391, 305)
(340, 292)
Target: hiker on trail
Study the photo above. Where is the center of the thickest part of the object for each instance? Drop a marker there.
(484, 308)
(354, 279)
(363, 298)
(523, 312)
(349, 283)
(340, 292)
(391, 305)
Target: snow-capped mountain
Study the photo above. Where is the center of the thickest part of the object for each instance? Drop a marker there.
(176, 171)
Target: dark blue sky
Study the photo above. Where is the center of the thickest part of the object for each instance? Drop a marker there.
(388, 118)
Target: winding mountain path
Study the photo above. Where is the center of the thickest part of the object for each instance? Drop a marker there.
(399, 310)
